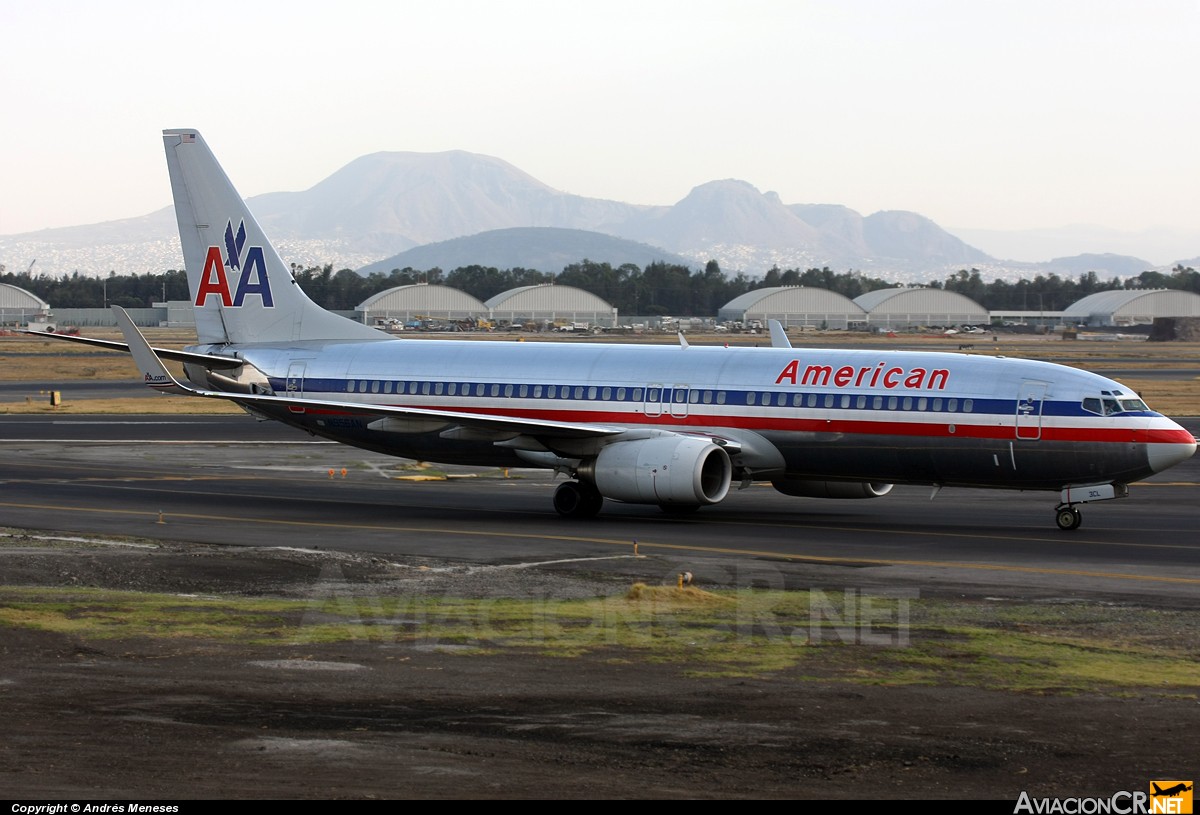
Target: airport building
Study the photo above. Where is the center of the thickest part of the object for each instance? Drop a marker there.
(420, 302)
(548, 305)
(19, 307)
(1127, 307)
(794, 307)
(907, 307)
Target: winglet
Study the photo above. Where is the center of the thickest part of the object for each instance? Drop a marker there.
(779, 338)
(153, 371)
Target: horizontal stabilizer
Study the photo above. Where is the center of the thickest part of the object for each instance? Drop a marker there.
(209, 361)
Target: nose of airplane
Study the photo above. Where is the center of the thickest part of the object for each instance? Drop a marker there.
(1169, 445)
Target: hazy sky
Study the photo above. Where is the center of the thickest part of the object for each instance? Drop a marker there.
(1002, 115)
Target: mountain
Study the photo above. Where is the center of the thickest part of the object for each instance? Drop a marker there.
(1033, 245)
(1104, 265)
(906, 235)
(384, 204)
(390, 202)
(547, 249)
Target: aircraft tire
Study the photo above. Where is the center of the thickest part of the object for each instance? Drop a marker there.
(1068, 518)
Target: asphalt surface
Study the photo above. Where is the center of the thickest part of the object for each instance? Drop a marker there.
(234, 480)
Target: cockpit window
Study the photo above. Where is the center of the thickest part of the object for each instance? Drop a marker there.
(1107, 405)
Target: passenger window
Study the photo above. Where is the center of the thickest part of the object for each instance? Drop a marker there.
(708, 397)
(606, 394)
(845, 401)
(694, 397)
(387, 386)
(425, 388)
(877, 403)
(439, 387)
(479, 389)
(637, 394)
(922, 403)
(861, 402)
(652, 395)
(892, 402)
(720, 397)
(620, 394)
(494, 390)
(751, 398)
(508, 391)
(537, 391)
(937, 405)
(907, 403)
(579, 392)
(812, 400)
(375, 386)
(829, 400)
(968, 405)
(591, 392)
(952, 405)
(524, 391)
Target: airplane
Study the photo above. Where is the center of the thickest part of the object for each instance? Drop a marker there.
(1172, 791)
(673, 426)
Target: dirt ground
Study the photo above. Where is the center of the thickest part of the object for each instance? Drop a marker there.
(183, 719)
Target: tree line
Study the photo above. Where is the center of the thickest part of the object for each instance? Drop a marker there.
(658, 289)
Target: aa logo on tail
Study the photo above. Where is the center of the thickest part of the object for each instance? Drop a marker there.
(249, 261)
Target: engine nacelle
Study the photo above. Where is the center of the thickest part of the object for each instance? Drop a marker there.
(664, 470)
(830, 489)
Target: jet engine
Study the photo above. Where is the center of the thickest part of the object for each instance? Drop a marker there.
(664, 470)
(831, 489)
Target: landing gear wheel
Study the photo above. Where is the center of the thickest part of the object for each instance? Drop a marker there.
(577, 499)
(1068, 518)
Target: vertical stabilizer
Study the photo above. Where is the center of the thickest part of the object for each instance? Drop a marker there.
(241, 290)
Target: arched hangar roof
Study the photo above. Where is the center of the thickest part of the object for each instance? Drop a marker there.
(547, 297)
(14, 297)
(914, 306)
(423, 298)
(793, 300)
(1136, 303)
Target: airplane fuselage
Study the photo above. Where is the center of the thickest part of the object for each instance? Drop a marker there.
(799, 413)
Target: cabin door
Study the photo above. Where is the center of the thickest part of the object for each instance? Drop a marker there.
(295, 381)
(1029, 409)
(653, 406)
(294, 386)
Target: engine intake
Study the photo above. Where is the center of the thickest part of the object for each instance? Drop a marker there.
(664, 470)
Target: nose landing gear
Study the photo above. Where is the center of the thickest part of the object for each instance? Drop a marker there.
(1068, 518)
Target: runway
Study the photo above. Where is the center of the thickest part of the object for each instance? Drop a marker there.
(233, 480)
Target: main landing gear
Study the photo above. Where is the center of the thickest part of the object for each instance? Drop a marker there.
(577, 499)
